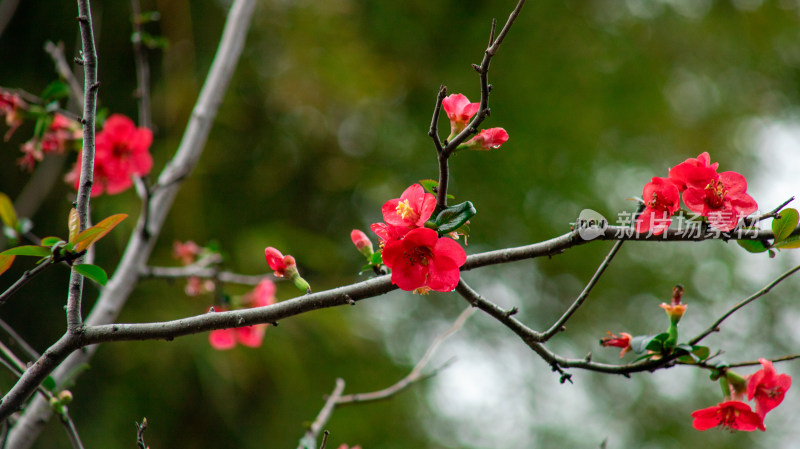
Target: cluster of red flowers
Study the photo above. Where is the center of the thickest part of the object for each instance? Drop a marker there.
(764, 386)
(721, 197)
(252, 336)
(460, 111)
(59, 134)
(121, 151)
(420, 260)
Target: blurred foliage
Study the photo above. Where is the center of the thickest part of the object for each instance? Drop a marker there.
(327, 118)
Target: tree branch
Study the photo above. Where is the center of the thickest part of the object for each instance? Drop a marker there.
(309, 440)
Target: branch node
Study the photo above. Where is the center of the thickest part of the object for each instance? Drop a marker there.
(477, 68)
(510, 312)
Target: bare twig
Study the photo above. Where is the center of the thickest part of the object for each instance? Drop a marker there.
(416, 373)
(715, 327)
(309, 440)
(200, 272)
(56, 52)
(483, 112)
(72, 431)
(140, 428)
(559, 324)
(32, 354)
(91, 86)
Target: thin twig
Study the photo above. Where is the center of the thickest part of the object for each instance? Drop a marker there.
(715, 327)
(205, 273)
(416, 373)
(24, 279)
(483, 112)
(32, 354)
(56, 52)
(309, 440)
(140, 428)
(91, 86)
(72, 431)
(558, 326)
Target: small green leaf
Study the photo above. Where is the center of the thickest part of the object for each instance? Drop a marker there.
(86, 238)
(5, 262)
(51, 241)
(92, 272)
(27, 250)
(377, 258)
(784, 226)
(639, 343)
(454, 217)
(789, 243)
(431, 186)
(49, 383)
(753, 246)
(54, 91)
(7, 213)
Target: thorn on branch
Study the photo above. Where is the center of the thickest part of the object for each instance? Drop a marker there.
(510, 312)
(349, 300)
(78, 60)
(565, 377)
(588, 358)
(82, 19)
(477, 68)
(95, 86)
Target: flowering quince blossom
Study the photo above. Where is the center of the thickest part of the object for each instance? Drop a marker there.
(121, 152)
(278, 262)
(459, 110)
(422, 260)
(411, 210)
(388, 232)
(661, 201)
(721, 197)
(61, 131)
(623, 341)
(767, 387)
(693, 171)
(251, 336)
(731, 415)
(488, 139)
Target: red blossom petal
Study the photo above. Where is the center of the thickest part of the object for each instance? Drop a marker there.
(413, 208)
(458, 108)
(250, 336)
(733, 415)
(275, 260)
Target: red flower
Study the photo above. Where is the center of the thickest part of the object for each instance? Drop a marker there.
(459, 110)
(723, 200)
(251, 336)
(186, 252)
(767, 387)
(121, 151)
(360, 240)
(60, 131)
(661, 201)
(731, 415)
(412, 209)
(488, 139)
(388, 232)
(693, 172)
(278, 262)
(623, 341)
(423, 259)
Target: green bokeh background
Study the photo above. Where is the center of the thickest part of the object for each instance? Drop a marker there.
(327, 117)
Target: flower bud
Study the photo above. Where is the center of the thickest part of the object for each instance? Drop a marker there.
(362, 243)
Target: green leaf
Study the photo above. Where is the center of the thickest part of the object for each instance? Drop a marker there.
(753, 246)
(694, 354)
(86, 238)
(73, 224)
(377, 258)
(783, 227)
(5, 262)
(792, 242)
(92, 272)
(454, 217)
(431, 186)
(7, 213)
(54, 91)
(51, 241)
(27, 250)
(49, 383)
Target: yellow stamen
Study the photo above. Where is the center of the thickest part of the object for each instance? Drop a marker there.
(405, 211)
